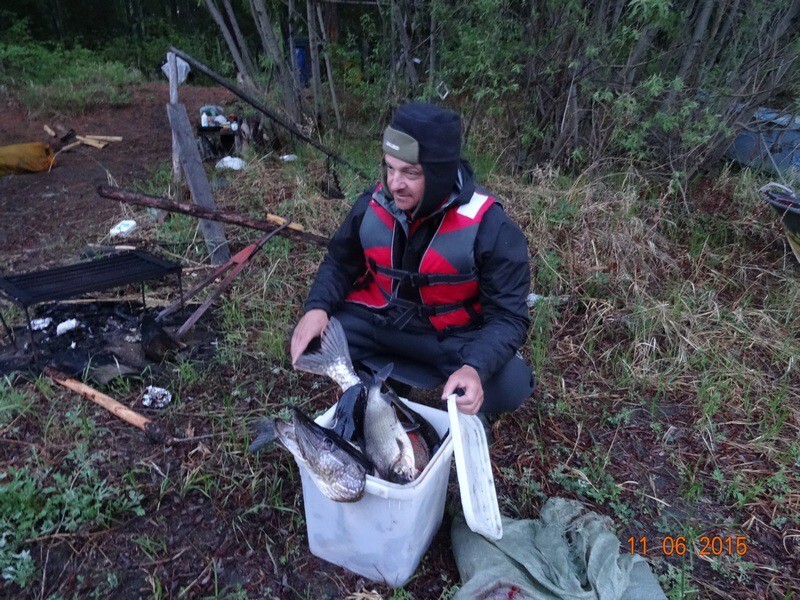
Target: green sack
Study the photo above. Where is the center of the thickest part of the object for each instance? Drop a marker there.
(567, 554)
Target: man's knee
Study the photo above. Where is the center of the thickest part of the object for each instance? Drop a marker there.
(507, 389)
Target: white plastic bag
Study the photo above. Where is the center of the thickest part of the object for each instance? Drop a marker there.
(231, 162)
(182, 67)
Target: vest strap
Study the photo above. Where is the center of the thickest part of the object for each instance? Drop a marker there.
(417, 280)
(425, 311)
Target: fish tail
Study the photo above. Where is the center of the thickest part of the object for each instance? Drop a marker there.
(265, 435)
(334, 347)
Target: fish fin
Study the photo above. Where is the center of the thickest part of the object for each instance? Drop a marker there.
(265, 435)
(333, 347)
(404, 411)
(384, 373)
(345, 419)
(409, 427)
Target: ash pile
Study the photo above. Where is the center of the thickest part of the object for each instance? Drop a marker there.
(101, 341)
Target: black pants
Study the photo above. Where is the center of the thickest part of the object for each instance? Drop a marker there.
(424, 360)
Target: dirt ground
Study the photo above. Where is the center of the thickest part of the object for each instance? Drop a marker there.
(77, 215)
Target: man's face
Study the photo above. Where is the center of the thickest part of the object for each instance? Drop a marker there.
(406, 182)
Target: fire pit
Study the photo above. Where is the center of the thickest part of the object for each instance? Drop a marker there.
(136, 266)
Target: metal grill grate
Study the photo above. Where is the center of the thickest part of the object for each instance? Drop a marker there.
(27, 289)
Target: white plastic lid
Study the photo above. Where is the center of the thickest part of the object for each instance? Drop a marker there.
(474, 470)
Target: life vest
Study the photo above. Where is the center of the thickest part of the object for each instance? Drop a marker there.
(447, 278)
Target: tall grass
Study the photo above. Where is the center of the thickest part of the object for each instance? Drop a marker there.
(65, 82)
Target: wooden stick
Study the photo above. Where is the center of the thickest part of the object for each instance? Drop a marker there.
(49, 131)
(90, 142)
(272, 222)
(105, 138)
(153, 431)
(69, 147)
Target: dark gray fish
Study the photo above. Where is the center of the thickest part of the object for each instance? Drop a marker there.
(338, 469)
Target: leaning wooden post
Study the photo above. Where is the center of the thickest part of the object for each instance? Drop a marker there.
(173, 99)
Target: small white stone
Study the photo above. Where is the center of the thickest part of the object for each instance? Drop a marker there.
(156, 397)
(66, 326)
(39, 324)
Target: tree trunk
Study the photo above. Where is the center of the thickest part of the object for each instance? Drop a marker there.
(271, 47)
(248, 82)
(293, 51)
(390, 91)
(432, 56)
(329, 69)
(719, 41)
(688, 57)
(313, 49)
(628, 74)
(240, 41)
(620, 4)
(411, 70)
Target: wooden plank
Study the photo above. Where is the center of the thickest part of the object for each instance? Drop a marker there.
(91, 142)
(292, 230)
(199, 187)
(172, 61)
(105, 138)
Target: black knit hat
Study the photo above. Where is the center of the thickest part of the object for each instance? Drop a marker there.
(436, 131)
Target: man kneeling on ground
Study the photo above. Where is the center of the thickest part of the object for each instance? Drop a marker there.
(428, 272)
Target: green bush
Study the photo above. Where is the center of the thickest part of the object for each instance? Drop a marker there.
(64, 81)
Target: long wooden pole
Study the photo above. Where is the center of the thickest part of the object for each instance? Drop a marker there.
(272, 223)
(173, 99)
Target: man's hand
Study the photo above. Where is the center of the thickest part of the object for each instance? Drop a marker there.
(311, 325)
(468, 379)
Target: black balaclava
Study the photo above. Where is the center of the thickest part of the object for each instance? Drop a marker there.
(432, 135)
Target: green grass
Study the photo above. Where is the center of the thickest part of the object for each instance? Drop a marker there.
(52, 81)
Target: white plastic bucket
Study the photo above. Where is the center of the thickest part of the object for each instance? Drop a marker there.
(384, 535)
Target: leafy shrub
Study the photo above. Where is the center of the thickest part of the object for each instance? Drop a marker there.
(64, 81)
(37, 502)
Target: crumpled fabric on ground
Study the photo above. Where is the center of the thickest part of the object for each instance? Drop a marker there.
(33, 157)
(568, 553)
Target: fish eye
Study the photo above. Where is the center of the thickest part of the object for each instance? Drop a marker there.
(328, 443)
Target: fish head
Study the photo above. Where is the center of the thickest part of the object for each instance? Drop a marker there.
(335, 468)
(285, 432)
(402, 472)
